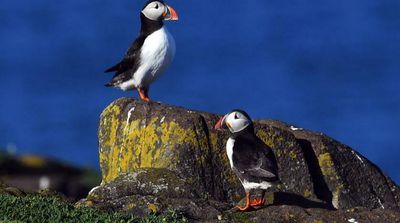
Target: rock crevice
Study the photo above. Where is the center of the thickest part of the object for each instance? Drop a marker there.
(155, 157)
(321, 189)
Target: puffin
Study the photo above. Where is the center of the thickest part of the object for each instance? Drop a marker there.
(150, 54)
(252, 161)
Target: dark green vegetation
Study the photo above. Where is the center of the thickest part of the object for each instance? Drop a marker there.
(53, 208)
(155, 158)
(25, 171)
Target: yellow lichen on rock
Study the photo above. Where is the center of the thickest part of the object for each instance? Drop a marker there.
(137, 149)
(270, 138)
(131, 206)
(266, 137)
(156, 156)
(328, 170)
(153, 208)
(326, 165)
(307, 193)
(108, 138)
(173, 134)
(140, 143)
(292, 155)
(127, 158)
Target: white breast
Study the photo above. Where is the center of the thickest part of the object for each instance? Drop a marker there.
(229, 150)
(156, 55)
(253, 185)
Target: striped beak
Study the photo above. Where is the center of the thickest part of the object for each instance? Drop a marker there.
(170, 13)
(221, 124)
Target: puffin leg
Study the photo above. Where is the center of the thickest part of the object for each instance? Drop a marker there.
(146, 92)
(247, 206)
(143, 94)
(258, 201)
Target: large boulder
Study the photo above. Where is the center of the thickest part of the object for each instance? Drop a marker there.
(154, 157)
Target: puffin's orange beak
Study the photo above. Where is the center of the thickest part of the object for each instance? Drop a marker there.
(170, 14)
(220, 124)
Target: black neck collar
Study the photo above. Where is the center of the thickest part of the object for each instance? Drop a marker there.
(149, 26)
(248, 131)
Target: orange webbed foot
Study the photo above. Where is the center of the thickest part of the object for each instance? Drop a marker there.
(143, 95)
(247, 207)
(257, 202)
(146, 99)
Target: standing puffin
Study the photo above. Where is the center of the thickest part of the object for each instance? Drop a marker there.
(150, 54)
(251, 160)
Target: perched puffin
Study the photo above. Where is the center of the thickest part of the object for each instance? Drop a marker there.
(150, 54)
(250, 158)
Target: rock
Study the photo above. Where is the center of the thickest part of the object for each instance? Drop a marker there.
(284, 213)
(154, 157)
(345, 177)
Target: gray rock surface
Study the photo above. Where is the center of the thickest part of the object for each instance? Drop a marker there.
(155, 157)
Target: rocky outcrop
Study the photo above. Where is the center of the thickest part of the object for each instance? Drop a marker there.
(154, 157)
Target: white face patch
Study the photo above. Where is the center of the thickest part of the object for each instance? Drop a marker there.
(236, 121)
(154, 10)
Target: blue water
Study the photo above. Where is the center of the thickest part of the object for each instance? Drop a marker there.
(328, 66)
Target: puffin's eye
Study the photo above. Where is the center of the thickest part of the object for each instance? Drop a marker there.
(236, 116)
(156, 6)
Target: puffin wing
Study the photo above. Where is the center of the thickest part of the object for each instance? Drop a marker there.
(130, 62)
(260, 171)
(257, 160)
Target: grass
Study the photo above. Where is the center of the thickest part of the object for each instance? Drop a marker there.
(39, 208)
(18, 207)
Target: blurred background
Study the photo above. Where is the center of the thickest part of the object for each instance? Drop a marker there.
(332, 67)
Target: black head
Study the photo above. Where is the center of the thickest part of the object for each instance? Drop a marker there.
(150, 1)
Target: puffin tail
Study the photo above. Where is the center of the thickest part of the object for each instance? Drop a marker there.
(109, 84)
(113, 68)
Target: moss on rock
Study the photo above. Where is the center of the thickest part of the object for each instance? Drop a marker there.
(155, 157)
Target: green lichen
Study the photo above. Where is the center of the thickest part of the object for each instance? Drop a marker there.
(307, 193)
(238, 217)
(292, 155)
(164, 183)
